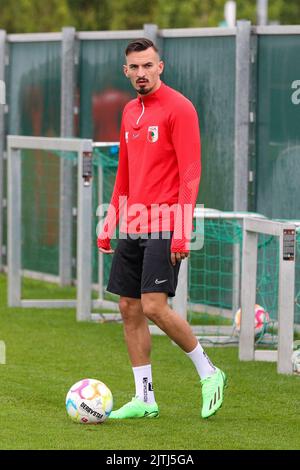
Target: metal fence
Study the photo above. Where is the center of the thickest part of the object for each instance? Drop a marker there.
(244, 82)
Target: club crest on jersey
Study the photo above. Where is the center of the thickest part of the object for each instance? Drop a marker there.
(152, 135)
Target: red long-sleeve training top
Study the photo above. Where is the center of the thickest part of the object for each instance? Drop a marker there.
(159, 168)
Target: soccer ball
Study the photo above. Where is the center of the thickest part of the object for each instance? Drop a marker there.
(296, 361)
(89, 401)
(261, 319)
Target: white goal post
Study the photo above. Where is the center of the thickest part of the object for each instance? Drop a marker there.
(286, 296)
(245, 283)
(83, 148)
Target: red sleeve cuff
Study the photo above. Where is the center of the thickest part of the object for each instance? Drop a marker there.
(103, 243)
(180, 246)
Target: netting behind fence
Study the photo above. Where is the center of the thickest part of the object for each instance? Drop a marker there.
(215, 271)
(40, 209)
(105, 163)
(211, 270)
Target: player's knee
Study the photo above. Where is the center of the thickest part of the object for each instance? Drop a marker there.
(129, 308)
(151, 310)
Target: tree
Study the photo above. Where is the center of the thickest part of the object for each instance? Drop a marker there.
(285, 12)
(131, 14)
(25, 16)
(92, 15)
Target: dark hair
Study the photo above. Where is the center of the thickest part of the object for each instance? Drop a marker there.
(140, 44)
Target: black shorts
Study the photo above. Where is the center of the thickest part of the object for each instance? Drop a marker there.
(143, 265)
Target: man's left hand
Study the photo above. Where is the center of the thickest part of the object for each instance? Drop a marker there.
(178, 257)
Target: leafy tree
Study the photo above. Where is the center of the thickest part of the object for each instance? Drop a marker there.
(131, 14)
(209, 13)
(285, 12)
(25, 16)
(92, 15)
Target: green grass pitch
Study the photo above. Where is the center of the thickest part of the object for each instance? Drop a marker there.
(47, 351)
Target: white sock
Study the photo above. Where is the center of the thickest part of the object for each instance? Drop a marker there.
(143, 383)
(201, 361)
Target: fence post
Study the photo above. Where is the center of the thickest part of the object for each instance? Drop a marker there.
(84, 239)
(262, 12)
(66, 166)
(151, 32)
(14, 238)
(286, 299)
(242, 98)
(2, 133)
(100, 255)
(241, 141)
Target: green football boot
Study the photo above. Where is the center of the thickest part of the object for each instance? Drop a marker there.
(213, 393)
(136, 408)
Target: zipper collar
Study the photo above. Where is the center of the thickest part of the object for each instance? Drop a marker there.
(143, 110)
(153, 96)
(148, 99)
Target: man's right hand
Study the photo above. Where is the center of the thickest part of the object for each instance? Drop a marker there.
(101, 250)
(104, 245)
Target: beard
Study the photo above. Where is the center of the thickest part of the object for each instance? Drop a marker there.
(144, 89)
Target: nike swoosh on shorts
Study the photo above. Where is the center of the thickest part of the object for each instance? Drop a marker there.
(159, 282)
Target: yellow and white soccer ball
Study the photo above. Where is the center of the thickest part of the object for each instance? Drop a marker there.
(261, 319)
(89, 401)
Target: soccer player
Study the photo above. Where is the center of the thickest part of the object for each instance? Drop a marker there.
(157, 179)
